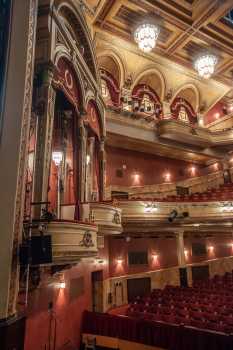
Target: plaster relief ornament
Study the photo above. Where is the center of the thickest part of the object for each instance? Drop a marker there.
(116, 218)
(87, 241)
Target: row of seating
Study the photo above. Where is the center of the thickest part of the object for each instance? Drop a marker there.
(223, 193)
(206, 305)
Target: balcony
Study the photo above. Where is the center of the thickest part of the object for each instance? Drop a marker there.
(107, 217)
(156, 213)
(175, 130)
(72, 240)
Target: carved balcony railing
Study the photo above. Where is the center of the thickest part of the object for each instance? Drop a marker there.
(107, 217)
(103, 214)
(71, 240)
(205, 211)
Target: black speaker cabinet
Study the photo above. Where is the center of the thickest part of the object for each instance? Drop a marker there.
(183, 277)
(41, 250)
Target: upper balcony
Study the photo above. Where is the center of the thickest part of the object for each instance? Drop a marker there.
(105, 215)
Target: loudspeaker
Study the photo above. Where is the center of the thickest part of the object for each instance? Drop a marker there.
(41, 250)
(183, 277)
(24, 254)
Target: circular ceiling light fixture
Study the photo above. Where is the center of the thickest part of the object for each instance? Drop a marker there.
(205, 65)
(146, 36)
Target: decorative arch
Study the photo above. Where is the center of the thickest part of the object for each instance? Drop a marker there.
(144, 95)
(62, 52)
(147, 73)
(90, 98)
(93, 118)
(181, 109)
(65, 79)
(118, 61)
(192, 97)
(75, 23)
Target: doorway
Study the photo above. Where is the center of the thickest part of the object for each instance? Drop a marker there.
(138, 287)
(97, 291)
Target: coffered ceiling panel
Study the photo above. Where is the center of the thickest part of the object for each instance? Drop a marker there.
(187, 27)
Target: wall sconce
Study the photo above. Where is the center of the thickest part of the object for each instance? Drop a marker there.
(119, 261)
(186, 253)
(211, 249)
(150, 208)
(62, 285)
(167, 177)
(155, 257)
(193, 170)
(88, 158)
(201, 122)
(57, 157)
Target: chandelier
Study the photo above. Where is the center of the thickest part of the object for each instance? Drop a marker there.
(205, 65)
(146, 36)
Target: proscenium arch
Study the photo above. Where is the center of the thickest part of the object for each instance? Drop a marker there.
(69, 10)
(118, 61)
(196, 103)
(148, 72)
(62, 52)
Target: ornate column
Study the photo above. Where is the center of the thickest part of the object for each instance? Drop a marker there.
(90, 167)
(166, 110)
(226, 171)
(45, 106)
(180, 247)
(13, 159)
(82, 156)
(102, 170)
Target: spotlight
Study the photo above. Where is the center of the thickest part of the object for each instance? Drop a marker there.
(173, 214)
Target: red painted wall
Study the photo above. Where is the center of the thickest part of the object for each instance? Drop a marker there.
(222, 247)
(145, 169)
(67, 313)
(164, 249)
(215, 113)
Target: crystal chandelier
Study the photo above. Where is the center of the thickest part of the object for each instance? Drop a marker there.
(146, 36)
(205, 65)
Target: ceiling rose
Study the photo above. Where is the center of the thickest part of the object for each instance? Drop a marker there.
(146, 36)
(205, 65)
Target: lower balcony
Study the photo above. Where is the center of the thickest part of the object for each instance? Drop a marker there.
(72, 240)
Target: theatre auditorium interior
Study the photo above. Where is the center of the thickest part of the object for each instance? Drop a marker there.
(116, 174)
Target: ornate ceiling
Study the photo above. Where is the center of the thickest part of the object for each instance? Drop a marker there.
(187, 27)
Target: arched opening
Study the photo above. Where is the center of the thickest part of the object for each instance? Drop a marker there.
(110, 78)
(63, 184)
(145, 100)
(93, 133)
(183, 111)
(64, 168)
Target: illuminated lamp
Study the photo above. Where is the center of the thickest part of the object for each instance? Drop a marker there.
(205, 65)
(146, 36)
(57, 157)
